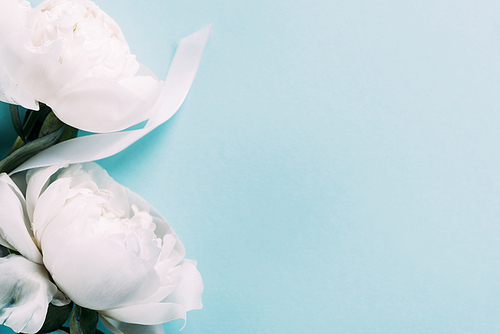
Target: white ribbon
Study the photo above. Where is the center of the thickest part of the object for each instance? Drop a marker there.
(179, 78)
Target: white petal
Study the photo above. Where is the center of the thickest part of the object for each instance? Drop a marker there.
(14, 224)
(172, 249)
(64, 213)
(7, 180)
(189, 288)
(5, 243)
(118, 327)
(146, 88)
(40, 72)
(37, 180)
(60, 299)
(99, 105)
(98, 273)
(168, 269)
(162, 226)
(25, 294)
(159, 295)
(10, 91)
(147, 314)
(13, 16)
(123, 198)
(50, 204)
(119, 199)
(146, 71)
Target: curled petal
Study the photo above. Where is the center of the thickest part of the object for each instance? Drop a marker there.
(37, 181)
(25, 294)
(60, 299)
(50, 205)
(123, 198)
(162, 226)
(146, 71)
(118, 327)
(189, 287)
(10, 91)
(14, 224)
(147, 314)
(4, 244)
(40, 72)
(80, 173)
(145, 87)
(100, 105)
(95, 281)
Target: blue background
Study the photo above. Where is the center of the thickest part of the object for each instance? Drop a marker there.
(336, 165)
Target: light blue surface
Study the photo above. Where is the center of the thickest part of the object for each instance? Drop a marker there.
(336, 165)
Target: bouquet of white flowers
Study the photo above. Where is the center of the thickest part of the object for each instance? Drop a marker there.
(75, 244)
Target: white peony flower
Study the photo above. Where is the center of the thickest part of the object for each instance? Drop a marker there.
(73, 57)
(104, 247)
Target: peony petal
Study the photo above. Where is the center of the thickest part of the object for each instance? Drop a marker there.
(52, 207)
(65, 212)
(10, 91)
(5, 243)
(13, 17)
(25, 294)
(162, 226)
(39, 72)
(172, 249)
(97, 273)
(159, 295)
(14, 224)
(189, 288)
(119, 199)
(147, 314)
(123, 198)
(37, 180)
(48, 205)
(118, 327)
(99, 105)
(146, 88)
(146, 71)
(7, 180)
(60, 299)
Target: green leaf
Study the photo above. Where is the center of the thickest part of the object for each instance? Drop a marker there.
(50, 124)
(4, 251)
(16, 158)
(83, 321)
(13, 251)
(69, 133)
(56, 317)
(16, 121)
(30, 120)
